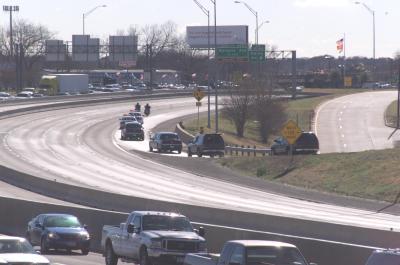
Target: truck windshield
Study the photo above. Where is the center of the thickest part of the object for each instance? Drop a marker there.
(160, 222)
(274, 255)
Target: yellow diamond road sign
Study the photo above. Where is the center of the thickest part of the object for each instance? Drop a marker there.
(291, 131)
(198, 94)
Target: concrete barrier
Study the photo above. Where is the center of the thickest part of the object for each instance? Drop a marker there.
(123, 203)
(15, 214)
(185, 136)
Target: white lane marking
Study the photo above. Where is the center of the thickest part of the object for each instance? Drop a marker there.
(340, 119)
(340, 127)
(342, 135)
(345, 145)
(341, 112)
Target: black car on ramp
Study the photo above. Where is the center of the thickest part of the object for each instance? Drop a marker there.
(58, 231)
(165, 141)
(307, 143)
(211, 144)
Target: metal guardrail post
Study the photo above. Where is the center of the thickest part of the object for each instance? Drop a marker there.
(248, 150)
(237, 152)
(242, 150)
(255, 152)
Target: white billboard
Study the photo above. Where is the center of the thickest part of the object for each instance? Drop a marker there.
(85, 49)
(56, 50)
(197, 36)
(123, 49)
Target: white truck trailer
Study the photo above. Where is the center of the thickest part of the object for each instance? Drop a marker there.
(58, 84)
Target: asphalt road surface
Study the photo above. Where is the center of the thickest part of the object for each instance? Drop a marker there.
(78, 146)
(75, 258)
(355, 123)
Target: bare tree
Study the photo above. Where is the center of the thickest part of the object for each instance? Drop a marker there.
(32, 39)
(160, 37)
(237, 106)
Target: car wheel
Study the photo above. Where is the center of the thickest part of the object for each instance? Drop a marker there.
(179, 151)
(199, 154)
(189, 153)
(151, 149)
(221, 155)
(85, 251)
(212, 155)
(144, 258)
(43, 246)
(111, 258)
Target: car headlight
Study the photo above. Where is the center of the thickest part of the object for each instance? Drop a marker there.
(53, 235)
(203, 246)
(156, 243)
(85, 235)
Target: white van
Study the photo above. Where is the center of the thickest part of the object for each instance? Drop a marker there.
(384, 257)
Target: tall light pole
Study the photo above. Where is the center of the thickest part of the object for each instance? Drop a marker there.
(372, 12)
(11, 9)
(259, 26)
(216, 65)
(207, 13)
(84, 15)
(255, 13)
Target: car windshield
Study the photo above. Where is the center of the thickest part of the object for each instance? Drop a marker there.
(15, 246)
(62, 221)
(169, 136)
(161, 222)
(274, 255)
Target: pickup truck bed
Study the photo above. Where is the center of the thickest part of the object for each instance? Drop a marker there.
(201, 259)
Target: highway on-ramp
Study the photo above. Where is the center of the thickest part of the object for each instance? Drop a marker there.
(79, 146)
(355, 123)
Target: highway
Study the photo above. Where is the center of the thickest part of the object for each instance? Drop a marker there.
(80, 146)
(75, 258)
(355, 123)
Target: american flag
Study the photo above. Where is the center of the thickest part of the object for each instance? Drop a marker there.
(339, 45)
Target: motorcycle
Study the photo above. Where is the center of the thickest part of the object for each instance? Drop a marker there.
(147, 111)
(137, 108)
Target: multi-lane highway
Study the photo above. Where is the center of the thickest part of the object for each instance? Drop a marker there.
(355, 123)
(80, 146)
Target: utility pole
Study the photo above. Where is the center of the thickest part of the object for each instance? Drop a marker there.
(11, 9)
(216, 65)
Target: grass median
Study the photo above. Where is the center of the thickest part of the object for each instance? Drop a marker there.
(391, 115)
(370, 174)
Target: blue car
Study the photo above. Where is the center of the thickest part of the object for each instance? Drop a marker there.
(58, 231)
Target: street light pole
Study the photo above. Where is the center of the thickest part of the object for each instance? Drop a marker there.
(84, 15)
(255, 13)
(11, 9)
(372, 12)
(216, 65)
(259, 26)
(207, 13)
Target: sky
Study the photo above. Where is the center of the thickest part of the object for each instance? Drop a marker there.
(311, 27)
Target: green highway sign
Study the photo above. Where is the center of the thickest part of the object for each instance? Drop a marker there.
(257, 56)
(257, 53)
(233, 53)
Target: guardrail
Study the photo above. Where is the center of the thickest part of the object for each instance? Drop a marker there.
(249, 151)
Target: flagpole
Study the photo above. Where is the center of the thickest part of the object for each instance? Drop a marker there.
(344, 59)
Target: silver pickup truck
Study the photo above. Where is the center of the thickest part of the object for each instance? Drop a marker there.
(250, 252)
(151, 238)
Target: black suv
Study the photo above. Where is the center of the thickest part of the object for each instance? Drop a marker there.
(132, 130)
(165, 141)
(307, 143)
(207, 144)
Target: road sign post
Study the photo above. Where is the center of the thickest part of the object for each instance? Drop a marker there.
(291, 132)
(198, 94)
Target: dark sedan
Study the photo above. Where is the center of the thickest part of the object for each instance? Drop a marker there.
(165, 141)
(58, 231)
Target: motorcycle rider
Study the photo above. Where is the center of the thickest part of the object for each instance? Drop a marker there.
(137, 107)
(147, 109)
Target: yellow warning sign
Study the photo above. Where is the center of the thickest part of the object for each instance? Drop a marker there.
(291, 131)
